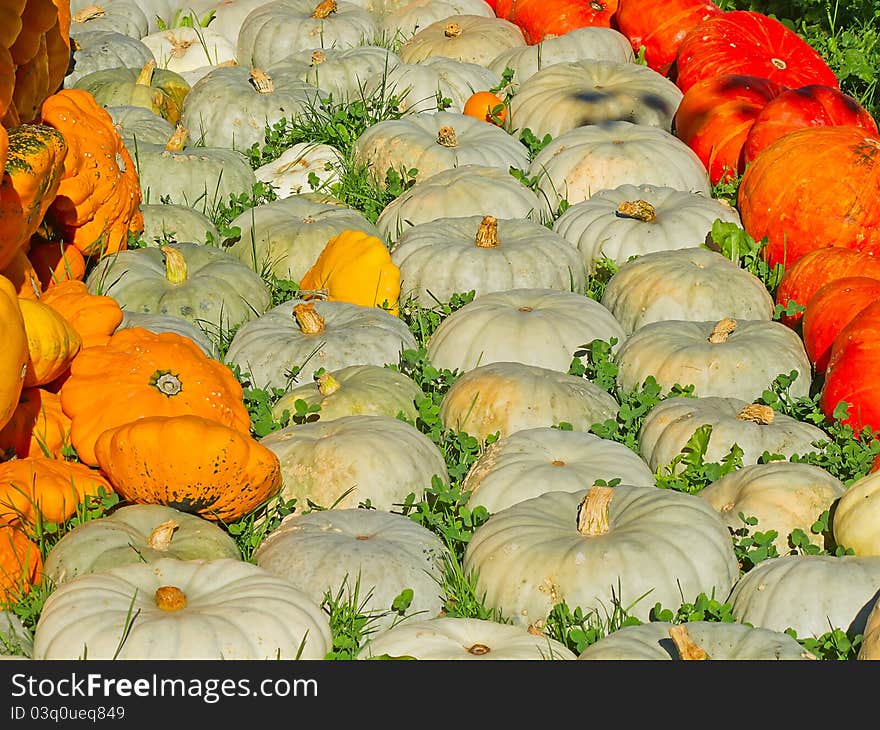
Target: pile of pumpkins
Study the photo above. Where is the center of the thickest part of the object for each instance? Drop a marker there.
(128, 323)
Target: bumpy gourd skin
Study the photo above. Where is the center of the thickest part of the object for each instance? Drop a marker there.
(98, 200)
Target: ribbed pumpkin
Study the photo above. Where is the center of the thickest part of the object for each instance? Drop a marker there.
(94, 316)
(139, 374)
(55, 261)
(97, 202)
(24, 278)
(539, 19)
(35, 489)
(191, 463)
(21, 563)
(38, 426)
(13, 353)
(52, 342)
(812, 188)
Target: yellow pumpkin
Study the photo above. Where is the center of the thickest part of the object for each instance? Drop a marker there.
(354, 267)
(52, 342)
(13, 352)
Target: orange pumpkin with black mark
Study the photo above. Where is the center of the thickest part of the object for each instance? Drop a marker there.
(55, 261)
(38, 427)
(21, 564)
(139, 374)
(98, 200)
(191, 463)
(52, 342)
(94, 316)
(13, 352)
(36, 489)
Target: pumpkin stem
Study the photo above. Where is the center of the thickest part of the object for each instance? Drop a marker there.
(487, 233)
(170, 598)
(177, 140)
(593, 511)
(688, 649)
(640, 210)
(175, 265)
(779, 63)
(179, 46)
(309, 321)
(89, 12)
(166, 382)
(452, 30)
(722, 330)
(597, 6)
(757, 413)
(478, 649)
(145, 77)
(327, 384)
(160, 537)
(261, 81)
(324, 8)
(446, 137)
(318, 57)
(322, 294)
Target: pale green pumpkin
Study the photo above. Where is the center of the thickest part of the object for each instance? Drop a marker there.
(169, 323)
(95, 50)
(140, 128)
(174, 223)
(115, 16)
(402, 20)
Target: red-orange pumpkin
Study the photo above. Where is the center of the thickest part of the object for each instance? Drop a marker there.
(21, 564)
(38, 426)
(540, 19)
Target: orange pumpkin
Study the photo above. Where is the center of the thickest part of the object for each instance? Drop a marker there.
(54, 261)
(813, 188)
(36, 489)
(98, 200)
(52, 342)
(191, 463)
(138, 374)
(13, 351)
(21, 564)
(94, 316)
(486, 106)
(38, 426)
(20, 271)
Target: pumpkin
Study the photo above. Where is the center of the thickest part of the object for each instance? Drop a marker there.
(288, 343)
(695, 640)
(402, 22)
(292, 173)
(201, 284)
(686, 284)
(145, 374)
(782, 496)
(35, 490)
(14, 353)
(467, 190)
(591, 41)
(571, 94)
(21, 564)
(429, 143)
(52, 342)
(97, 202)
(847, 377)
(227, 14)
(55, 261)
(633, 220)
(276, 29)
(541, 20)
(541, 327)
(16, 641)
(754, 428)
(355, 459)
(854, 521)
(581, 162)
(354, 267)
(139, 126)
(187, 609)
(94, 316)
(38, 427)
(802, 279)
(364, 556)
(355, 390)
(121, 16)
(813, 209)
(810, 595)
(813, 105)
(168, 323)
(530, 462)
(599, 546)
(752, 43)
(285, 237)
(482, 254)
(660, 29)
(830, 309)
(189, 51)
(132, 534)
(221, 474)
(21, 273)
(869, 646)
(175, 223)
(99, 49)
(715, 116)
(506, 397)
(486, 105)
(449, 638)
(469, 38)
(32, 174)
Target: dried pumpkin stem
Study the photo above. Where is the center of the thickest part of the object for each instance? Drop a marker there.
(592, 517)
(261, 81)
(687, 648)
(327, 384)
(452, 30)
(324, 8)
(89, 12)
(179, 46)
(757, 413)
(640, 210)
(309, 321)
(160, 537)
(166, 382)
(446, 137)
(170, 598)
(145, 77)
(177, 140)
(487, 233)
(318, 57)
(478, 649)
(175, 265)
(722, 330)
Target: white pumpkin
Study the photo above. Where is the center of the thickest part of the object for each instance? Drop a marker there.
(470, 38)
(408, 18)
(302, 168)
(185, 48)
(854, 523)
